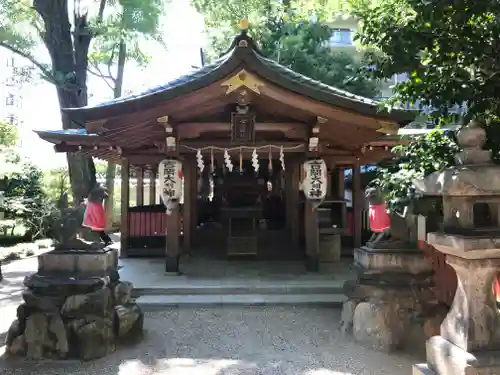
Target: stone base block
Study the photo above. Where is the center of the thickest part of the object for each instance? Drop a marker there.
(378, 326)
(422, 369)
(445, 358)
(79, 263)
(329, 248)
(412, 261)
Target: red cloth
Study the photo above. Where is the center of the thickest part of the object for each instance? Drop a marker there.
(94, 217)
(379, 218)
(496, 289)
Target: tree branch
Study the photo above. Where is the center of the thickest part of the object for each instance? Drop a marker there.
(98, 73)
(100, 14)
(47, 74)
(110, 63)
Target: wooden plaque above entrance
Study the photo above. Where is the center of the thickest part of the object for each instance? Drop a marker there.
(242, 126)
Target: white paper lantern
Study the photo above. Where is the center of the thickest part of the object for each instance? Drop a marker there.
(170, 178)
(315, 183)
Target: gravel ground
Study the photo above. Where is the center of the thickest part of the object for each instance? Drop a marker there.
(234, 341)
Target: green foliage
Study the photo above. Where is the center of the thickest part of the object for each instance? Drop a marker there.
(25, 199)
(56, 183)
(285, 34)
(449, 49)
(417, 159)
(303, 47)
(122, 31)
(8, 134)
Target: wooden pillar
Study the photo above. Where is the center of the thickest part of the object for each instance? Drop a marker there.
(125, 173)
(312, 237)
(152, 185)
(292, 200)
(329, 183)
(194, 202)
(187, 212)
(140, 186)
(357, 204)
(341, 194)
(172, 253)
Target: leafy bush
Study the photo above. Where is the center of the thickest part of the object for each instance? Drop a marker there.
(25, 200)
(417, 159)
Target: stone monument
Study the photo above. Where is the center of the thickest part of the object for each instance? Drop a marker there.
(75, 306)
(393, 291)
(469, 340)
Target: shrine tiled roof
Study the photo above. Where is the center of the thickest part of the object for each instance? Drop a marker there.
(238, 57)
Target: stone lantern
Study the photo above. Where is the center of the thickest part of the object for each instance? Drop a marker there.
(469, 340)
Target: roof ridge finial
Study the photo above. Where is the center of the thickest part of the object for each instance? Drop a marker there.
(244, 24)
(471, 138)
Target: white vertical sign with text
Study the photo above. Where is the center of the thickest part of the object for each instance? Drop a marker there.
(315, 183)
(170, 178)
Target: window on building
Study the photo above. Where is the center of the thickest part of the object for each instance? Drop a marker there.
(10, 81)
(10, 62)
(398, 78)
(11, 119)
(9, 99)
(341, 37)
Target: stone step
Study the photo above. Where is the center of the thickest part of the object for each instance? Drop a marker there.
(335, 287)
(159, 301)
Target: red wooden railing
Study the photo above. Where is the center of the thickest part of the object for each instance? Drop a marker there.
(147, 224)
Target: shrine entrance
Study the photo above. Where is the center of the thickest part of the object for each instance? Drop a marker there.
(240, 132)
(243, 213)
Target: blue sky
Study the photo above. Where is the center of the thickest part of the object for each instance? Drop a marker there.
(183, 33)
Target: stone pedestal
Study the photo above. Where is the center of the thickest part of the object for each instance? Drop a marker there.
(469, 340)
(79, 262)
(75, 306)
(392, 291)
(329, 248)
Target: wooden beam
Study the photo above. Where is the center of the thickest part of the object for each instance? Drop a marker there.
(152, 185)
(195, 129)
(189, 146)
(173, 232)
(189, 165)
(137, 111)
(357, 204)
(292, 199)
(341, 194)
(316, 108)
(140, 186)
(125, 172)
(312, 237)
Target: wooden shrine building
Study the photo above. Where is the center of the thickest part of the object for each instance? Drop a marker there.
(242, 127)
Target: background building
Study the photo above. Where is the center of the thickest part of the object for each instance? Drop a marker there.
(14, 74)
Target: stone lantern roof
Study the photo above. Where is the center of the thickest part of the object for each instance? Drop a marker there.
(470, 189)
(474, 173)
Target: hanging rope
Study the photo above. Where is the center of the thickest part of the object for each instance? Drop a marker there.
(241, 148)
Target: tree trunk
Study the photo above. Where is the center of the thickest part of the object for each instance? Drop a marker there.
(69, 57)
(111, 169)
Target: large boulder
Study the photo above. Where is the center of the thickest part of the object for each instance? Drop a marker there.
(93, 337)
(96, 303)
(377, 325)
(36, 335)
(129, 321)
(122, 292)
